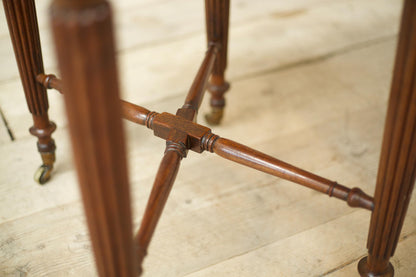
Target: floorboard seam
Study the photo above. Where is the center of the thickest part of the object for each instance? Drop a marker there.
(403, 238)
(269, 243)
(6, 125)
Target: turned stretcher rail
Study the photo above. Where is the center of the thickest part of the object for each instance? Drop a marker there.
(175, 150)
(196, 93)
(138, 114)
(166, 175)
(84, 40)
(200, 138)
(134, 113)
(244, 155)
(129, 111)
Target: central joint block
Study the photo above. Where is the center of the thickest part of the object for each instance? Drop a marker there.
(175, 128)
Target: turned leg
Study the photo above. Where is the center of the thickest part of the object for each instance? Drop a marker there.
(397, 169)
(217, 17)
(162, 186)
(86, 56)
(23, 28)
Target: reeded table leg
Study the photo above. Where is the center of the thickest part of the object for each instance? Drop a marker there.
(23, 27)
(397, 169)
(217, 17)
(83, 34)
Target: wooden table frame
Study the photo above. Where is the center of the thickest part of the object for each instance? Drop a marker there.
(83, 33)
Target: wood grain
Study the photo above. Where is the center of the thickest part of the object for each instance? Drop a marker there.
(217, 15)
(86, 55)
(340, 112)
(397, 168)
(23, 27)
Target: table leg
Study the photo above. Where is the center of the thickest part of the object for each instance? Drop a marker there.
(397, 168)
(217, 17)
(23, 28)
(84, 41)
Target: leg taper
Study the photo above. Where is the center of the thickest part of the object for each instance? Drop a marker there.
(23, 28)
(217, 17)
(397, 168)
(86, 57)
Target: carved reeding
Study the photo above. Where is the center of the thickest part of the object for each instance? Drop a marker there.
(217, 31)
(80, 16)
(396, 174)
(83, 35)
(149, 119)
(208, 142)
(26, 43)
(178, 147)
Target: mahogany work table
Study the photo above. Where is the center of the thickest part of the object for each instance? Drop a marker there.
(84, 40)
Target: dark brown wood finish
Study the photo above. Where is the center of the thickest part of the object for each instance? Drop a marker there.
(177, 145)
(217, 21)
(24, 32)
(244, 155)
(86, 56)
(196, 93)
(50, 81)
(397, 168)
(134, 113)
(162, 186)
(198, 138)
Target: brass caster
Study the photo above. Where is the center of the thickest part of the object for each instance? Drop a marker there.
(43, 174)
(214, 117)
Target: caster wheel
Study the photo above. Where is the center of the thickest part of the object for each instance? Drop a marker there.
(43, 174)
(214, 117)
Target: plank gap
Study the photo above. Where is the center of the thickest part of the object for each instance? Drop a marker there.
(6, 125)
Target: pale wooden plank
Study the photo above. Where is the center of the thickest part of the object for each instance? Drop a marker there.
(261, 218)
(333, 104)
(4, 136)
(309, 253)
(205, 211)
(143, 23)
(247, 198)
(284, 41)
(17, 113)
(403, 260)
(326, 116)
(38, 247)
(151, 74)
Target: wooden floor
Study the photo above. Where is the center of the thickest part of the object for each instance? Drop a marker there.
(310, 81)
